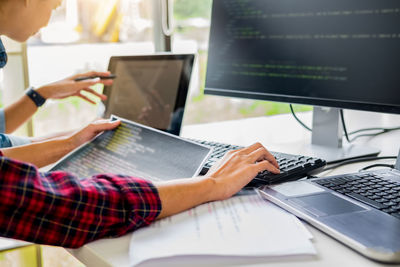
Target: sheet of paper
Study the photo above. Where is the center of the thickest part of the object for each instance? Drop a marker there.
(245, 226)
(6, 243)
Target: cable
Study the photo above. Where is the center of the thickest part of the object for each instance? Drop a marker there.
(376, 165)
(348, 134)
(365, 135)
(382, 131)
(357, 160)
(298, 120)
(375, 129)
(344, 126)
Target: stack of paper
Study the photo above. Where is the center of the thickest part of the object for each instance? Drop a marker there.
(241, 227)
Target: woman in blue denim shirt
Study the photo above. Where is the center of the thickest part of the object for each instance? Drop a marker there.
(41, 151)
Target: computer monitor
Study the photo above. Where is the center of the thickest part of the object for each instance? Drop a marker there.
(336, 54)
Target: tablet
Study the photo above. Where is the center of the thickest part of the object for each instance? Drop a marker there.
(150, 89)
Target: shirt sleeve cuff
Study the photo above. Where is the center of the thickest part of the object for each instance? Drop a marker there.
(18, 141)
(2, 121)
(144, 199)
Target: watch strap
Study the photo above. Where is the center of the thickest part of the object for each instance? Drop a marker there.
(35, 97)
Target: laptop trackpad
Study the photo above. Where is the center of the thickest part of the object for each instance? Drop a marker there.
(325, 204)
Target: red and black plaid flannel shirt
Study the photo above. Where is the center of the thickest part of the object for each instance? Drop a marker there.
(59, 209)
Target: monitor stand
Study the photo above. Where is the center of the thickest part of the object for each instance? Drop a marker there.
(327, 138)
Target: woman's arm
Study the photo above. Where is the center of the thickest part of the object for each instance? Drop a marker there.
(18, 113)
(22, 110)
(225, 179)
(64, 210)
(44, 153)
(50, 137)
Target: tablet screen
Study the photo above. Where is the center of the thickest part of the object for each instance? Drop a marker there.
(149, 90)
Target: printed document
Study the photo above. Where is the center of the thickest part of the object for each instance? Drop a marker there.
(242, 226)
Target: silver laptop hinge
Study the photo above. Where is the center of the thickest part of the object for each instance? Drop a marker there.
(397, 167)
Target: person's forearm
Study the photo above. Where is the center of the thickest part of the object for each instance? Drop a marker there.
(51, 136)
(179, 195)
(18, 113)
(40, 154)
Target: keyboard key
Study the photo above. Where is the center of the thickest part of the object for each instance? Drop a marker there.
(367, 201)
(390, 197)
(390, 203)
(381, 194)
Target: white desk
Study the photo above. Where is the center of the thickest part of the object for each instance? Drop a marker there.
(279, 133)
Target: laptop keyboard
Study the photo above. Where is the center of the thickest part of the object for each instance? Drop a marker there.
(371, 189)
(293, 167)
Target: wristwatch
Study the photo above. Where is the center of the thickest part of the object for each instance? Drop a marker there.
(35, 97)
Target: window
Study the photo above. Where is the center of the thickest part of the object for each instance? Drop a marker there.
(81, 36)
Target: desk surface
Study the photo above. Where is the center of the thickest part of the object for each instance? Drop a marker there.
(278, 133)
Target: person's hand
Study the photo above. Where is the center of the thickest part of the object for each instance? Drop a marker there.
(237, 168)
(69, 87)
(90, 131)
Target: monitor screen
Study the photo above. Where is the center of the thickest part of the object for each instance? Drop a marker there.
(150, 90)
(342, 53)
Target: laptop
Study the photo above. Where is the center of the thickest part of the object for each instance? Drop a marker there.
(362, 210)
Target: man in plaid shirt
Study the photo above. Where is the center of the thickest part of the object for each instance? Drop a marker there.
(60, 209)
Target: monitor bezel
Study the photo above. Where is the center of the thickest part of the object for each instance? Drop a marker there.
(343, 104)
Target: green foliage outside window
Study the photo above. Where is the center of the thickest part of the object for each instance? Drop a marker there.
(185, 9)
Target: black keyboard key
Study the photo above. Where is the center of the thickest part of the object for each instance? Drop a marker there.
(294, 169)
(323, 181)
(389, 197)
(367, 201)
(368, 183)
(395, 209)
(342, 191)
(389, 204)
(381, 194)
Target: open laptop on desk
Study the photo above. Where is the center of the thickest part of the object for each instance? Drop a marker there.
(362, 210)
(152, 90)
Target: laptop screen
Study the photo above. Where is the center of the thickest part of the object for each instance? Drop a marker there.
(150, 90)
